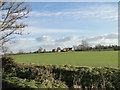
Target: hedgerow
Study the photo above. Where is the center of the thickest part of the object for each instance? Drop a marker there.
(16, 75)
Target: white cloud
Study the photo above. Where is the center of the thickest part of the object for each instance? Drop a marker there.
(24, 40)
(67, 39)
(105, 11)
(36, 30)
(45, 13)
(44, 38)
(106, 39)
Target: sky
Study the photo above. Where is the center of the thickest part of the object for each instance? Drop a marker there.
(64, 24)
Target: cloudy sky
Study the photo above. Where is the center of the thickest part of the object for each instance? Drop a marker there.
(64, 24)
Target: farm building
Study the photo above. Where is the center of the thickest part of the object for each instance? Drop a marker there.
(80, 47)
(71, 49)
(54, 50)
(65, 49)
(44, 50)
(58, 50)
(68, 49)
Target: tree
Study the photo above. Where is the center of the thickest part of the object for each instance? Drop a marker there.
(10, 23)
(44, 50)
(98, 47)
(58, 48)
(40, 50)
(85, 44)
(5, 49)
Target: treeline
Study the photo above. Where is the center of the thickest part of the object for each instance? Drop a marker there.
(98, 48)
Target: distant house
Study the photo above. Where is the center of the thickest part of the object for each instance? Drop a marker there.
(80, 47)
(68, 49)
(71, 49)
(39, 50)
(54, 50)
(58, 50)
(44, 50)
(65, 49)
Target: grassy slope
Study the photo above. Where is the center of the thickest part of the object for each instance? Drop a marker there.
(102, 58)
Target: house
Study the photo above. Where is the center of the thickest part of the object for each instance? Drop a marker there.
(71, 49)
(80, 47)
(58, 50)
(65, 49)
(54, 50)
(44, 51)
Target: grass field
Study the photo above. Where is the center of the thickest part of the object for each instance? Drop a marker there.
(86, 58)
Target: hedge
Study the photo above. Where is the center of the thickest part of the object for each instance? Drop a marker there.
(58, 76)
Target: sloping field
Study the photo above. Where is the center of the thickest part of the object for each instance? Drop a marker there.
(86, 58)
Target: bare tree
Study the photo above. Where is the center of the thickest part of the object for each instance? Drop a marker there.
(85, 43)
(5, 49)
(12, 14)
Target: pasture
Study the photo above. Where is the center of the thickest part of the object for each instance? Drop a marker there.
(83, 58)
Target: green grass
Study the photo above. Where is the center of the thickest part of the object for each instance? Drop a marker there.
(86, 58)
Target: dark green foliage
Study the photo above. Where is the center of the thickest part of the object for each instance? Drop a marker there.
(89, 77)
(15, 82)
(58, 76)
(28, 76)
(7, 63)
